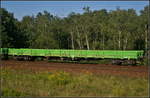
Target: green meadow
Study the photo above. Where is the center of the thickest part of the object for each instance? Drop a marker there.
(60, 83)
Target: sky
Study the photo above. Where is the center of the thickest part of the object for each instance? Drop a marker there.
(63, 8)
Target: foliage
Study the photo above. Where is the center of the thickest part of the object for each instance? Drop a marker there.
(99, 29)
(11, 34)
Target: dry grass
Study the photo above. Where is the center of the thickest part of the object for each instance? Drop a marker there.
(60, 83)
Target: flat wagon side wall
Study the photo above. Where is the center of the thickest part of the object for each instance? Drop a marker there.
(112, 54)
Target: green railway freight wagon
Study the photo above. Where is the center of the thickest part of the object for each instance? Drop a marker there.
(110, 54)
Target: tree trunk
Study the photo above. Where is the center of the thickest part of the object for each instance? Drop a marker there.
(103, 42)
(119, 40)
(125, 43)
(87, 42)
(94, 46)
(146, 39)
(114, 44)
(72, 40)
(78, 39)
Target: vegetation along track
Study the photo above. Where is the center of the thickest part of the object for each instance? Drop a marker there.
(36, 66)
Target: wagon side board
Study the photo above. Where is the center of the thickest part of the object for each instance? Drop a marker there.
(110, 54)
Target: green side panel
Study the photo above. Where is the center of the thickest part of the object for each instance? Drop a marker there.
(80, 53)
(53, 52)
(73, 53)
(91, 53)
(120, 54)
(129, 54)
(26, 51)
(66, 53)
(30, 52)
(13, 51)
(39, 52)
(114, 54)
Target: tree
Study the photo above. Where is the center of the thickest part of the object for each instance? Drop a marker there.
(144, 25)
(11, 35)
(92, 30)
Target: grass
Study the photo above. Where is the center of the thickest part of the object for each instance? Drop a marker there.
(60, 83)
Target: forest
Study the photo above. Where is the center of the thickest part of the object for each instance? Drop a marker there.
(118, 29)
